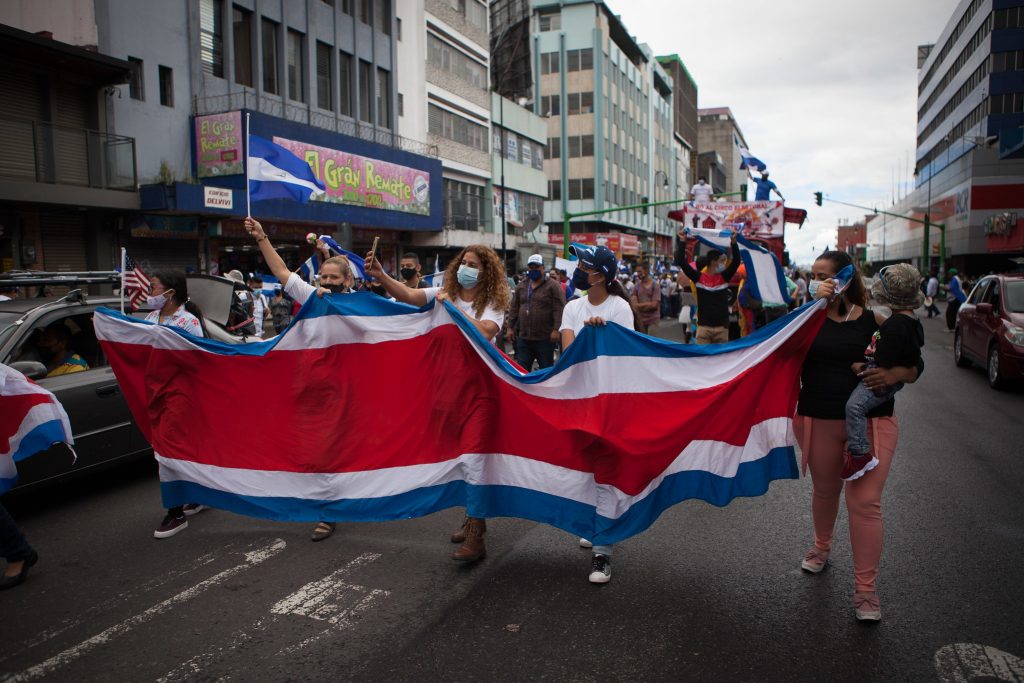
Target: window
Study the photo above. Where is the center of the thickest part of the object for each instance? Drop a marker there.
(166, 85)
(136, 84)
(581, 146)
(554, 189)
(401, 105)
(364, 11)
(323, 76)
(448, 58)
(383, 98)
(550, 22)
(476, 14)
(365, 90)
(211, 37)
(538, 157)
(242, 30)
(554, 148)
(382, 16)
(579, 60)
(549, 63)
(456, 128)
(580, 102)
(345, 83)
(463, 205)
(270, 58)
(398, 28)
(345, 6)
(581, 188)
(296, 67)
(549, 105)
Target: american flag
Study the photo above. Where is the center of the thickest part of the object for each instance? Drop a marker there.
(136, 282)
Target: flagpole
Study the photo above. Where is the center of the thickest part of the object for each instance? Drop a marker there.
(248, 209)
(122, 279)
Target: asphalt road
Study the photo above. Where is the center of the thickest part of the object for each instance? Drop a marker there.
(705, 594)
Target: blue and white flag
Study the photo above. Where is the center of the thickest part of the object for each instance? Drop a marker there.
(749, 160)
(765, 278)
(276, 173)
(308, 270)
(357, 261)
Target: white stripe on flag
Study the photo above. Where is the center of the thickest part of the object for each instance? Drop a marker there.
(263, 171)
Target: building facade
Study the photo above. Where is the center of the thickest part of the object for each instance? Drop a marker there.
(970, 156)
(684, 112)
(610, 131)
(717, 131)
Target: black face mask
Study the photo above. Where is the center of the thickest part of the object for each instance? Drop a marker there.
(336, 289)
(408, 273)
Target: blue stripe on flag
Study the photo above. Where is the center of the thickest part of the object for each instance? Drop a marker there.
(752, 479)
(284, 164)
(39, 439)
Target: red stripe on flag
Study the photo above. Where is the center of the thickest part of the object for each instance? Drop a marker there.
(13, 410)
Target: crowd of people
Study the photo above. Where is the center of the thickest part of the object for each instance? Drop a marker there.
(844, 420)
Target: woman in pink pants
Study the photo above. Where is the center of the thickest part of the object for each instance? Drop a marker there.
(827, 381)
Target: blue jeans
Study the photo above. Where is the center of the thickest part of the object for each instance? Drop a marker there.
(529, 350)
(861, 402)
(13, 546)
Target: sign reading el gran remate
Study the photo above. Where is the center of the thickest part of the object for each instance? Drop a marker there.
(354, 179)
(219, 144)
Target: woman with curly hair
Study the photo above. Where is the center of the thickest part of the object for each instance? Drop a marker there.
(475, 282)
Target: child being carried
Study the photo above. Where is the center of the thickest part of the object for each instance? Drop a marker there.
(897, 343)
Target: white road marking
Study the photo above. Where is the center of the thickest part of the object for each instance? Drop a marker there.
(252, 558)
(966, 662)
(320, 600)
(91, 613)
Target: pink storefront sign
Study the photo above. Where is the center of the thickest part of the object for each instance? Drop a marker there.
(219, 144)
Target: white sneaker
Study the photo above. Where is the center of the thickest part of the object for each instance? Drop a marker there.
(600, 569)
(584, 543)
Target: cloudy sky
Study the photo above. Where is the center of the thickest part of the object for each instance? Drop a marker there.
(825, 91)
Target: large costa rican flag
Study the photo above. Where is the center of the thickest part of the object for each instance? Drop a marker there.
(367, 410)
(31, 420)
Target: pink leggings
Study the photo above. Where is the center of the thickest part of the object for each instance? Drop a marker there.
(822, 444)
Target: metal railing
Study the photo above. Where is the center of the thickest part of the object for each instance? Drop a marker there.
(48, 153)
(275, 106)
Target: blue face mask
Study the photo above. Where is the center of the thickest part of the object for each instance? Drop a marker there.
(468, 277)
(535, 274)
(581, 279)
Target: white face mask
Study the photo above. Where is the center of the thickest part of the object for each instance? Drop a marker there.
(156, 302)
(812, 287)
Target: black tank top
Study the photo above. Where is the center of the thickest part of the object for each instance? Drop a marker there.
(827, 381)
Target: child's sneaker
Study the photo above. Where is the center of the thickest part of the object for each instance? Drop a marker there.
(856, 466)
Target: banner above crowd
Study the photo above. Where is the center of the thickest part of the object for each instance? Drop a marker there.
(763, 220)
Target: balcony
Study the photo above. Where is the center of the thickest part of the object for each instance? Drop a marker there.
(274, 106)
(46, 153)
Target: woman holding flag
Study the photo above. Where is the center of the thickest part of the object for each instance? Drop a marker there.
(335, 277)
(475, 282)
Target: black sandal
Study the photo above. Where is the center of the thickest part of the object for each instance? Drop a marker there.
(322, 531)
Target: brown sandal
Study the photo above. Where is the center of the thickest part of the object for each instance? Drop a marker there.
(323, 530)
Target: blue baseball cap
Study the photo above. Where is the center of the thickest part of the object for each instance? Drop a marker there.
(599, 258)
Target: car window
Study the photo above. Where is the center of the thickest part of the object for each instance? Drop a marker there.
(1015, 296)
(991, 291)
(979, 292)
(64, 341)
(993, 295)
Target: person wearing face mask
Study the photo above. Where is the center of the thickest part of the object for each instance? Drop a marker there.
(168, 299)
(712, 289)
(646, 298)
(606, 302)
(54, 347)
(409, 269)
(475, 282)
(535, 316)
(335, 278)
(828, 377)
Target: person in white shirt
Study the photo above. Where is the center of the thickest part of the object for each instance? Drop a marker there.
(475, 282)
(260, 307)
(168, 299)
(606, 302)
(336, 277)
(702, 192)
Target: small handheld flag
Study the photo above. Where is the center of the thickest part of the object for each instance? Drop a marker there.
(276, 173)
(749, 160)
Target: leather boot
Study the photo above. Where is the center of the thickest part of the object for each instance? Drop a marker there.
(473, 548)
(459, 535)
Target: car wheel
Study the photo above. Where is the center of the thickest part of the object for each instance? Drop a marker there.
(958, 350)
(994, 380)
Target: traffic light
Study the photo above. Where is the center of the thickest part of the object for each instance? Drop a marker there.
(644, 201)
(817, 198)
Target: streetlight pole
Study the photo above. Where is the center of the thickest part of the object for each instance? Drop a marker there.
(504, 143)
(926, 265)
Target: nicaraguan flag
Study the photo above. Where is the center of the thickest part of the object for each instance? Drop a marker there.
(600, 472)
(309, 269)
(31, 420)
(749, 160)
(765, 278)
(357, 261)
(276, 173)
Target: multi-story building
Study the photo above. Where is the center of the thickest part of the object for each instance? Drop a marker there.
(970, 146)
(717, 131)
(444, 85)
(511, 63)
(852, 238)
(316, 77)
(684, 116)
(609, 109)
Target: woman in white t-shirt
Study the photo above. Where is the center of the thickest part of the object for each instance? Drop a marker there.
(475, 282)
(336, 277)
(606, 302)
